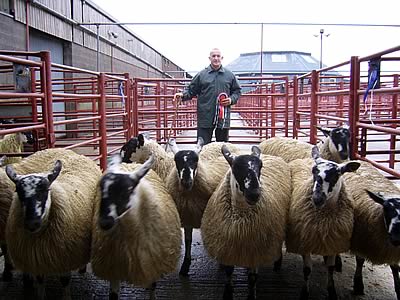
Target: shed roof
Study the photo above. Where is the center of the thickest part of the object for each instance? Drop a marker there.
(274, 62)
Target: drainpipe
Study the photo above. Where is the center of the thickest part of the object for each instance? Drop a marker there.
(27, 46)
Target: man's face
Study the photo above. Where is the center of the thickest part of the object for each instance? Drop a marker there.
(215, 59)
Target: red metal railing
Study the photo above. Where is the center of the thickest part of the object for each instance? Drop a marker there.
(95, 113)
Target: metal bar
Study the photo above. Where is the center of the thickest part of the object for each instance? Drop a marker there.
(103, 124)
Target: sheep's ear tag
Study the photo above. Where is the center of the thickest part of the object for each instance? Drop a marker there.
(11, 174)
(377, 197)
(227, 154)
(255, 151)
(55, 172)
(142, 171)
(325, 131)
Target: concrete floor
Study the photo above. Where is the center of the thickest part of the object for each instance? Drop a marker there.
(207, 281)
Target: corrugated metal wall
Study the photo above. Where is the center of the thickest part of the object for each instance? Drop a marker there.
(59, 18)
(45, 21)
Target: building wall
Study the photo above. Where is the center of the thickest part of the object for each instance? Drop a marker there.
(12, 34)
(124, 53)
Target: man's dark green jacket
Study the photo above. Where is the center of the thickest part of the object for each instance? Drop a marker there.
(207, 85)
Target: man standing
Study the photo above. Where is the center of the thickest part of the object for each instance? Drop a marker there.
(216, 89)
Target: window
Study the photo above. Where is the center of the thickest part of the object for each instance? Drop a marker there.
(6, 6)
(278, 58)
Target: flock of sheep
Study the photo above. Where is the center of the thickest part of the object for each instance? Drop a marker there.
(58, 212)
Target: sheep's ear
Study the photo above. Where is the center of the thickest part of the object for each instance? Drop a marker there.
(351, 166)
(114, 162)
(227, 154)
(255, 151)
(55, 172)
(144, 168)
(377, 197)
(2, 160)
(141, 138)
(325, 131)
(11, 174)
(315, 152)
(174, 147)
(199, 145)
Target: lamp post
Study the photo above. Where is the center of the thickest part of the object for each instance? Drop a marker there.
(321, 34)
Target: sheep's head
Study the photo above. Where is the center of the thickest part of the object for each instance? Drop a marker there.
(327, 181)
(33, 193)
(118, 191)
(29, 137)
(245, 174)
(340, 140)
(391, 213)
(130, 147)
(186, 162)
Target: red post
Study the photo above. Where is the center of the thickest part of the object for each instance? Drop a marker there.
(51, 139)
(128, 107)
(135, 110)
(103, 120)
(392, 156)
(314, 107)
(286, 106)
(295, 106)
(354, 104)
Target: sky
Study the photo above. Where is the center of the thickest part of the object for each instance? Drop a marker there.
(188, 46)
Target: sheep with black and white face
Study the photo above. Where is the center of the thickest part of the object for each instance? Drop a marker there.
(136, 227)
(244, 223)
(48, 229)
(321, 213)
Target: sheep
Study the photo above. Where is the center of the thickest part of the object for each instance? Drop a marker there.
(7, 189)
(139, 150)
(212, 150)
(245, 220)
(136, 227)
(334, 147)
(320, 214)
(191, 183)
(376, 222)
(14, 143)
(48, 228)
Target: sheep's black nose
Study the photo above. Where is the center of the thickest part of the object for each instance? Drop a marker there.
(187, 184)
(395, 242)
(319, 199)
(253, 196)
(33, 225)
(106, 223)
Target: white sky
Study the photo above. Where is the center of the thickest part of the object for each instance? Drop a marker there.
(188, 46)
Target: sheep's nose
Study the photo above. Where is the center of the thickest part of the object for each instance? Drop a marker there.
(253, 196)
(106, 223)
(33, 225)
(187, 184)
(319, 200)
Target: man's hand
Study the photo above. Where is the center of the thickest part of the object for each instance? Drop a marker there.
(178, 98)
(225, 102)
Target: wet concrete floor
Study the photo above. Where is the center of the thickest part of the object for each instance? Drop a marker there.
(207, 281)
